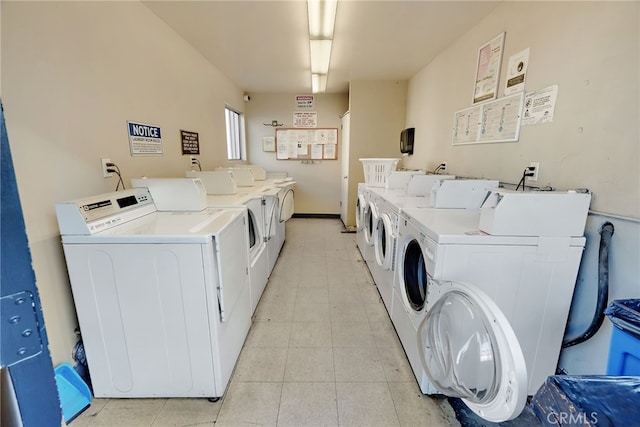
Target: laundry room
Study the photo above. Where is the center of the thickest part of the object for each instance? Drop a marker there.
(74, 76)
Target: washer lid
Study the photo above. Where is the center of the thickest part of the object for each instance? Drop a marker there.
(469, 350)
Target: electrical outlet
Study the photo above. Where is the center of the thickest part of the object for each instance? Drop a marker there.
(536, 170)
(104, 162)
(192, 159)
(444, 166)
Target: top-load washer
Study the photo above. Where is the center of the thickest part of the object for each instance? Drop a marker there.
(162, 297)
(277, 201)
(258, 260)
(526, 275)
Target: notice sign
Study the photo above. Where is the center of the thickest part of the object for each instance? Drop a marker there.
(305, 119)
(540, 105)
(145, 139)
(190, 142)
(304, 102)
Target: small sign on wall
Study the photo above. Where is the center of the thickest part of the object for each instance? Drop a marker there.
(304, 102)
(144, 139)
(305, 119)
(190, 142)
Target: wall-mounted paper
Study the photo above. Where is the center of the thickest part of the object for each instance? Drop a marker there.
(268, 143)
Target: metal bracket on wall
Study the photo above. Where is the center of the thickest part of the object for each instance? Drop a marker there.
(21, 338)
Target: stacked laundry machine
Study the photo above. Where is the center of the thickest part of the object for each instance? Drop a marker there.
(480, 286)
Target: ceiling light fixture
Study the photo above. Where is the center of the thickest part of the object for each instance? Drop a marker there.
(322, 18)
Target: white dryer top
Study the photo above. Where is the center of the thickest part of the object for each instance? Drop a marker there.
(460, 226)
(165, 227)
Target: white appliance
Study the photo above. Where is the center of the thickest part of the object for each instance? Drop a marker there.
(421, 185)
(528, 279)
(370, 217)
(216, 182)
(461, 193)
(258, 256)
(243, 176)
(361, 205)
(258, 270)
(384, 248)
(175, 194)
(162, 297)
(398, 180)
(286, 199)
(277, 202)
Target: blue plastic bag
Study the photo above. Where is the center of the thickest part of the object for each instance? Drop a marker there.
(625, 315)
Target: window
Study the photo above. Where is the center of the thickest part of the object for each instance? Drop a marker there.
(235, 134)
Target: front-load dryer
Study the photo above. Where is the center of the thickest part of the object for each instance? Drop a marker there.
(361, 205)
(483, 363)
(530, 279)
(162, 298)
(370, 216)
(384, 248)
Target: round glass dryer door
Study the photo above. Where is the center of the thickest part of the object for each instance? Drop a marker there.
(470, 351)
(383, 241)
(414, 275)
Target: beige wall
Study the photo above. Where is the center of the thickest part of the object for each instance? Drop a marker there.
(591, 50)
(317, 184)
(73, 73)
(377, 110)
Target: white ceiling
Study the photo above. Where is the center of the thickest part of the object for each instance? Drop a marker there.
(263, 45)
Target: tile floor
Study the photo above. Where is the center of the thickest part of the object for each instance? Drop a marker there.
(321, 352)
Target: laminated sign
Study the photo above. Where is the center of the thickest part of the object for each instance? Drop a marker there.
(145, 139)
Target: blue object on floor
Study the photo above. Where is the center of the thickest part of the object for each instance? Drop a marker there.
(624, 349)
(468, 418)
(590, 400)
(75, 396)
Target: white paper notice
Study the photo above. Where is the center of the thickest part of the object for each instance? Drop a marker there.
(517, 72)
(283, 149)
(465, 125)
(330, 151)
(500, 121)
(268, 143)
(539, 106)
(488, 70)
(316, 151)
(305, 119)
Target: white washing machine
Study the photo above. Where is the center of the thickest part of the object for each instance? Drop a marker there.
(413, 192)
(528, 278)
(384, 245)
(162, 298)
(250, 199)
(278, 200)
(370, 217)
(258, 255)
(361, 205)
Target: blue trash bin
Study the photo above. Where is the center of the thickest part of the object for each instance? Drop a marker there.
(624, 349)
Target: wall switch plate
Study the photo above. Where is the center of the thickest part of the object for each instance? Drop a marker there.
(104, 162)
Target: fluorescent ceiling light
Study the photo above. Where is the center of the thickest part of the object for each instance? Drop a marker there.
(322, 18)
(318, 83)
(320, 56)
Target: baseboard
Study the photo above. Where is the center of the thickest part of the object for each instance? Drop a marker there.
(316, 215)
